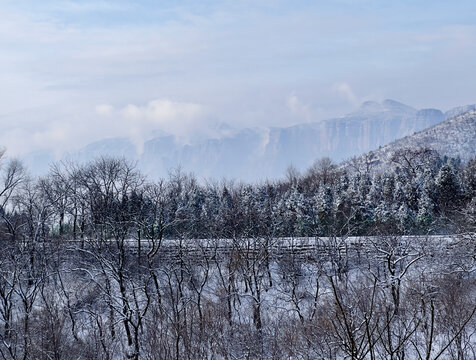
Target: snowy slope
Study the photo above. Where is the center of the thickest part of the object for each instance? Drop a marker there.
(455, 137)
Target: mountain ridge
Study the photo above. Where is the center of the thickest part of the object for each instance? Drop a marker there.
(260, 153)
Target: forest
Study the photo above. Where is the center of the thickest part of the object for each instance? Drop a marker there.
(350, 261)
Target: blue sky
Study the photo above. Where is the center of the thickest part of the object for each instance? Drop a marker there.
(77, 71)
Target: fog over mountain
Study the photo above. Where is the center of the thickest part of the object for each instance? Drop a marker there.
(258, 153)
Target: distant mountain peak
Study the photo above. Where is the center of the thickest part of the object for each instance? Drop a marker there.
(392, 105)
(388, 105)
(370, 106)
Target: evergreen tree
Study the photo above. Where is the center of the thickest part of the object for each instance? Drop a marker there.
(426, 204)
(324, 204)
(426, 211)
(406, 219)
(448, 190)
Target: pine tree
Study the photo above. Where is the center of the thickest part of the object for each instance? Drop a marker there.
(426, 204)
(324, 204)
(406, 218)
(448, 190)
(426, 211)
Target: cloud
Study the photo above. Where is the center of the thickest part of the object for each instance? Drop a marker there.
(104, 109)
(55, 136)
(186, 121)
(181, 119)
(344, 89)
(295, 105)
(164, 112)
(265, 134)
(89, 6)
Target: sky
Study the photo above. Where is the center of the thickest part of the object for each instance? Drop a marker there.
(72, 72)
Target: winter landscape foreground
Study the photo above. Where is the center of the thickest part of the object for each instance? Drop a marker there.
(382, 297)
(372, 259)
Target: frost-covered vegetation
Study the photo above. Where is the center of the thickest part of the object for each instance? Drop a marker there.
(87, 272)
(455, 137)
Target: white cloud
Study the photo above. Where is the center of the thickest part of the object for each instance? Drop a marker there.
(344, 89)
(181, 119)
(297, 108)
(186, 121)
(104, 109)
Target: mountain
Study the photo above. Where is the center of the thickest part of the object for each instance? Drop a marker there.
(459, 110)
(258, 153)
(454, 137)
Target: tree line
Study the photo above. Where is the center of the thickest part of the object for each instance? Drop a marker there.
(419, 192)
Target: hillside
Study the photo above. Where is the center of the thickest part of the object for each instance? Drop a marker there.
(454, 137)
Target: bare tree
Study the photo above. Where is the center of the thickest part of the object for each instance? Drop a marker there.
(12, 176)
